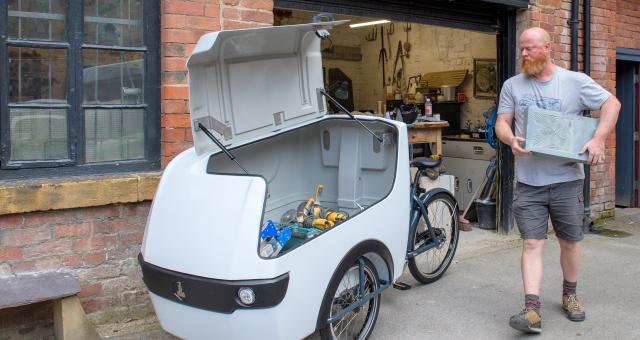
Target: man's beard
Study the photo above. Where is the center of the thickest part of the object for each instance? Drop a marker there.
(535, 66)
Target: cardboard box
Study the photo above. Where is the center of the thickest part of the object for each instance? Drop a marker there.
(557, 134)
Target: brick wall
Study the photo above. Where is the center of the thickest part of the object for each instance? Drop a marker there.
(554, 16)
(98, 246)
(628, 24)
(183, 22)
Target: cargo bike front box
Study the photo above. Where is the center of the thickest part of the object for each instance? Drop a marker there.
(257, 91)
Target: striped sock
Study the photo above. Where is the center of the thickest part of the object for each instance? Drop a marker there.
(569, 288)
(532, 301)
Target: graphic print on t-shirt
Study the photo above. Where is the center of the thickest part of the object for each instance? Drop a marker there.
(546, 103)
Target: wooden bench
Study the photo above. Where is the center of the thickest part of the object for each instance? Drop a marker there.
(69, 319)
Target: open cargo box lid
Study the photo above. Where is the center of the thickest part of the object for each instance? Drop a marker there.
(250, 83)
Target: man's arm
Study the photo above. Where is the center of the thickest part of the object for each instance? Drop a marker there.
(505, 134)
(608, 118)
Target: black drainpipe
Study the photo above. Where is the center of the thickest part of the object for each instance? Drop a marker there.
(587, 223)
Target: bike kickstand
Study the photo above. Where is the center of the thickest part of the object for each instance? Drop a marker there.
(401, 285)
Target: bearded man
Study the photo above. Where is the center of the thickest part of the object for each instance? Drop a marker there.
(547, 186)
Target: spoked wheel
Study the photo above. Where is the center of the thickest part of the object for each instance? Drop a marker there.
(443, 216)
(359, 322)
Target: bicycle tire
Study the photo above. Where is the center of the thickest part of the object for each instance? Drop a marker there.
(342, 296)
(448, 223)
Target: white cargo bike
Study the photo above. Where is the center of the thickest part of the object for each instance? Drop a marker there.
(263, 143)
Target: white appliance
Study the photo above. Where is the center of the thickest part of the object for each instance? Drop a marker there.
(256, 90)
(467, 160)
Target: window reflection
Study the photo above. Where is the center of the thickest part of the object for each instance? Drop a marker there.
(114, 134)
(113, 77)
(37, 75)
(36, 19)
(113, 23)
(38, 134)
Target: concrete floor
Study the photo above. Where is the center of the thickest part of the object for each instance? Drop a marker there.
(482, 289)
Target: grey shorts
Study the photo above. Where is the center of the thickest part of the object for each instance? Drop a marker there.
(532, 206)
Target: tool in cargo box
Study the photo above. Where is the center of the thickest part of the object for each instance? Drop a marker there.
(274, 239)
(336, 216)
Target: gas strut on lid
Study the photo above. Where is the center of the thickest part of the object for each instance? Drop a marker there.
(215, 140)
(342, 108)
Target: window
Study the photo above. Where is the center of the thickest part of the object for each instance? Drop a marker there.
(79, 86)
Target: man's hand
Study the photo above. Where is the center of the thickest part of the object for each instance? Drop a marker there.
(517, 149)
(596, 151)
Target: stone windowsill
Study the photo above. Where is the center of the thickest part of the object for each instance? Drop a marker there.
(76, 192)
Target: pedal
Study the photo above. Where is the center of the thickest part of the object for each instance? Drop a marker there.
(401, 285)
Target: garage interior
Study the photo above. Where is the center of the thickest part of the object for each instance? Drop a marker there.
(377, 66)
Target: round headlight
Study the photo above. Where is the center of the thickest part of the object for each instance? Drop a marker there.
(246, 295)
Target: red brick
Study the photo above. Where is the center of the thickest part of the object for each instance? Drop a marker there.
(173, 149)
(232, 25)
(21, 237)
(266, 5)
(11, 221)
(212, 11)
(176, 121)
(175, 92)
(180, 36)
(94, 259)
(48, 263)
(173, 50)
(10, 254)
(182, 7)
(203, 23)
(57, 247)
(231, 2)
(173, 135)
(175, 78)
(174, 106)
(174, 64)
(137, 210)
(134, 238)
(257, 16)
(172, 21)
(23, 266)
(72, 261)
(49, 217)
(230, 14)
(74, 230)
(114, 225)
(87, 290)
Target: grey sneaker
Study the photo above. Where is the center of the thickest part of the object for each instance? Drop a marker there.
(573, 308)
(528, 321)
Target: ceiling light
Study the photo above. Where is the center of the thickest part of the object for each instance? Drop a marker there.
(368, 23)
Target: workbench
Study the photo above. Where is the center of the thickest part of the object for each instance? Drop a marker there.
(427, 132)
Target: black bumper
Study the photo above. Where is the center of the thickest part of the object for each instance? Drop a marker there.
(211, 294)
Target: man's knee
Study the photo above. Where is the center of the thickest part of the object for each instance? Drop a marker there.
(569, 245)
(532, 245)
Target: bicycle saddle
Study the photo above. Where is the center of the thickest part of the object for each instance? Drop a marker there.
(425, 163)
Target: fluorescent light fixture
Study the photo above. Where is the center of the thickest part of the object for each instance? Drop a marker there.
(369, 23)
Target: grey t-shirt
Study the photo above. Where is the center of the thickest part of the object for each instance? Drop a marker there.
(567, 92)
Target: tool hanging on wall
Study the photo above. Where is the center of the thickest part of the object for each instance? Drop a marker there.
(373, 36)
(399, 74)
(382, 57)
(407, 45)
(390, 31)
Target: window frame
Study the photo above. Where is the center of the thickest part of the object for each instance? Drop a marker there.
(74, 45)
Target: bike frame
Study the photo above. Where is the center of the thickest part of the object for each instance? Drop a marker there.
(419, 209)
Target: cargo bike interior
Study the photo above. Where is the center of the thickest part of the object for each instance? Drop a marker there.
(322, 175)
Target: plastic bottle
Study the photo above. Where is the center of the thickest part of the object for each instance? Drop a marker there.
(428, 108)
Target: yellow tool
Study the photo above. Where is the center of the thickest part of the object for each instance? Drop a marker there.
(335, 216)
(314, 200)
(320, 223)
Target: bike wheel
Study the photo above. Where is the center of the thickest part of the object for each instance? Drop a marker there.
(358, 323)
(443, 216)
